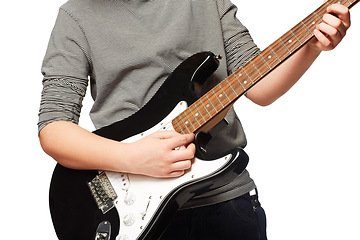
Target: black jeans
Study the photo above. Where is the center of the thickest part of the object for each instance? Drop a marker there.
(241, 218)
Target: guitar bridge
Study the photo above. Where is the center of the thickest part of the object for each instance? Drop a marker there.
(103, 192)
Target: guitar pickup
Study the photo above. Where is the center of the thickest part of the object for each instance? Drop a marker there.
(103, 192)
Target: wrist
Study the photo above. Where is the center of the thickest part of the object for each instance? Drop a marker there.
(119, 158)
(312, 48)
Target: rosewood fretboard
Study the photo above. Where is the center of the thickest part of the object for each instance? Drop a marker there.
(230, 89)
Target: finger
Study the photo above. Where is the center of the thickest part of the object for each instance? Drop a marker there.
(329, 36)
(180, 140)
(323, 42)
(181, 165)
(180, 168)
(182, 153)
(166, 134)
(175, 174)
(335, 23)
(341, 12)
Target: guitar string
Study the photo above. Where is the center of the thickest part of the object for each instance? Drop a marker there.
(303, 33)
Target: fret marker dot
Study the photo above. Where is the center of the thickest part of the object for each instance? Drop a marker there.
(207, 105)
(240, 74)
(269, 56)
(290, 41)
(186, 122)
(245, 82)
(313, 23)
(220, 95)
(196, 114)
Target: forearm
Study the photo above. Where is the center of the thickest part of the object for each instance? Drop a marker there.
(154, 155)
(77, 148)
(281, 79)
(327, 35)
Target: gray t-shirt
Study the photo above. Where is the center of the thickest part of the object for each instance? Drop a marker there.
(127, 49)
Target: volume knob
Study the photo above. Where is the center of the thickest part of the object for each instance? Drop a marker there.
(122, 237)
(130, 198)
(129, 219)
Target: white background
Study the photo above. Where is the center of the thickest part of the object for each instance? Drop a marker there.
(304, 149)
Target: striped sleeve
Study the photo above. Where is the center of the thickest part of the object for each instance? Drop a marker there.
(66, 69)
(239, 45)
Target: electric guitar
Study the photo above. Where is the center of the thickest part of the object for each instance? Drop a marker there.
(107, 205)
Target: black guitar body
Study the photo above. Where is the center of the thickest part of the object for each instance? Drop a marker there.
(74, 212)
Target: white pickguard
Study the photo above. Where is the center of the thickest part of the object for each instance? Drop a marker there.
(139, 196)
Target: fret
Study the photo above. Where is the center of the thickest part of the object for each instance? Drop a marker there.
(239, 82)
(343, 2)
(284, 45)
(233, 90)
(265, 62)
(290, 42)
(208, 115)
(346, 3)
(320, 12)
(311, 21)
(317, 16)
(251, 72)
(243, 79)
(255, 68)
(193, 116)
(310, 32)
(301, 33)
(269, 58)
(208, 106)
(179, 129)
(248, 77)
(274, 53)
(210, 103)
(295, 37)
(238, 75)
(185, 125)
(280, 49)
(351, 3)
(261, 65)
(188, 121)
(235, 84)
(181, 122)
(225, 92)
(217, 96)
(198, 113)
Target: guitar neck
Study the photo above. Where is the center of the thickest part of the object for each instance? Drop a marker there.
(234, 86)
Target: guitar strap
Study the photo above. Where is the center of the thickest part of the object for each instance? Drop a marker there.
(202, 139)
(218, 127)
